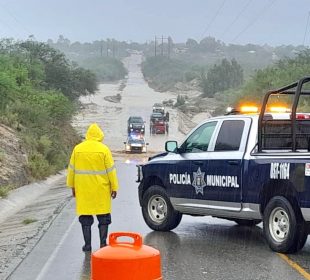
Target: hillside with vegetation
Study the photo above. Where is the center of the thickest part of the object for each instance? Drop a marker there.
(283, 72)
(101, 57)
(39, 89)
(208, 75)
(163, 73)
(185, 62)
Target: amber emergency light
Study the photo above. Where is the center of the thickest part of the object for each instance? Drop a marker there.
(248, 109)
(278, 109)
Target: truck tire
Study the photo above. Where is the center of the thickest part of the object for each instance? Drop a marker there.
(157, 210)
(284, 227)
(247, 223)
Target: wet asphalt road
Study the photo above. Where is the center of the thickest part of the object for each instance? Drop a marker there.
(200, 248)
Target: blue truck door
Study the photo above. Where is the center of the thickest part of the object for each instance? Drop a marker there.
(224, 172)
(185, 180)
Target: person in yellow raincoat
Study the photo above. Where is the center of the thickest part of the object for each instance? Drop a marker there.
(93, 179)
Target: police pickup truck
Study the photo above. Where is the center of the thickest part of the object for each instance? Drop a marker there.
(246, 168)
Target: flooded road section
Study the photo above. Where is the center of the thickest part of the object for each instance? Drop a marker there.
(137, 99)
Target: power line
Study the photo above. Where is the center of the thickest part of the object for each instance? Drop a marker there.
(15, 18)
(306, 31)
(262, 11)
(237, 17)
(213, 18)
(3, 23)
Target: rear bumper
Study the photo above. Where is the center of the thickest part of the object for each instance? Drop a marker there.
(159, 129)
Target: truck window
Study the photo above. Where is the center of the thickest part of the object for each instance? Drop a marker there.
(229, 137)
(199, 140)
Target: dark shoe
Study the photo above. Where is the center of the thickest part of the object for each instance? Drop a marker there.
(86, 248)
(87, 238)
(103, 233)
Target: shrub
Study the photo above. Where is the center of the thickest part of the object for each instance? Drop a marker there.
(39, 166)
(163, 73)
(29, 221)
(4, 190)
(44, 145)
(105, 68)
(180, 101)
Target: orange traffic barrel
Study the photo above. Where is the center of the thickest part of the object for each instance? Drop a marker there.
(126, 260)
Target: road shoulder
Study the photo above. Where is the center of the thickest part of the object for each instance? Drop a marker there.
(28, 212)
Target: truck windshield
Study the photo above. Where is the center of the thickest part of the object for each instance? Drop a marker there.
(199, 140)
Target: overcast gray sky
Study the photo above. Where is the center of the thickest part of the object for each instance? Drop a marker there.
(274, 22)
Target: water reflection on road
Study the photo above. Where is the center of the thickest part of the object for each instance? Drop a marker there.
(199, 248)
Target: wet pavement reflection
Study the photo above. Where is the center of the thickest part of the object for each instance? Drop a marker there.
(85, 273)
(199, 248)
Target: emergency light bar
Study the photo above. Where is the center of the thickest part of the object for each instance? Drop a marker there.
(278, 109)
(133, 135)
(245, 109)
(248, 109)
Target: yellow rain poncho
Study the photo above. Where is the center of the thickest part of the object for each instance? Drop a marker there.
(92, 174)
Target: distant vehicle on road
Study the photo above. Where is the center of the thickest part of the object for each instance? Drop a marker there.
(135, 124)
(158, 124)
(158, 108)
(135, 144)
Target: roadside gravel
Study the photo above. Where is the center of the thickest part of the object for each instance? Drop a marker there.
(25, 215)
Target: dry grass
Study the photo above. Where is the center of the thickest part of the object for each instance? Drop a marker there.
(4, 190)
(29, 221)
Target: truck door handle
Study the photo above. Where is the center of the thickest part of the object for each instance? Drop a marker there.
(233, 162)
(198, 162)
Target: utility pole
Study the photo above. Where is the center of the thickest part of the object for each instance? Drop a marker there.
(169, 42)
(161, 48)
(162, 45)
(306, 31)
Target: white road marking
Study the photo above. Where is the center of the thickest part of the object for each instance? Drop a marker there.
(55, 252)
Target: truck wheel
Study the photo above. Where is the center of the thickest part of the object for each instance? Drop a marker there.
(284, 227)
(247, 223)
(157, 210)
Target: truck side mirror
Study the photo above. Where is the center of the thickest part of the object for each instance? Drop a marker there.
(171, 146)
(125, 143)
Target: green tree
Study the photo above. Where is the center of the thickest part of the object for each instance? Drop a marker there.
(191, 44)
(285, 71)
(226, 75)
(56, 71)
(38, 90)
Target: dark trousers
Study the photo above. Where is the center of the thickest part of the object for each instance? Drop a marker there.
(88, 220)
(103, 225)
